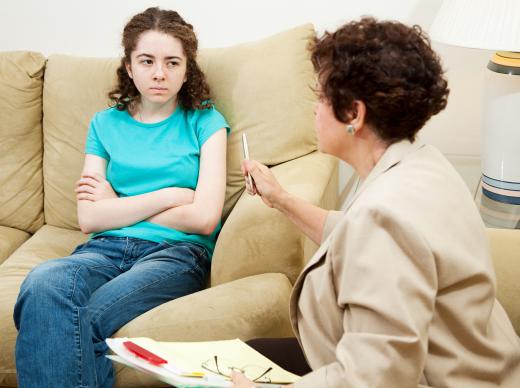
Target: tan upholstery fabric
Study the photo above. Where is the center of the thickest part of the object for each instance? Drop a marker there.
(21, 195)
(74, 89)
(10, 239)
(48, 242)
(210, 315)
(256, 239)
(263, 89)
(505, 251)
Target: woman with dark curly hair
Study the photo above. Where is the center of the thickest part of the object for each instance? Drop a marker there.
(151, 193)
(401, 292)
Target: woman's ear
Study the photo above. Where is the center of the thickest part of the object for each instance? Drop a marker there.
(129, 69)
(358, 114)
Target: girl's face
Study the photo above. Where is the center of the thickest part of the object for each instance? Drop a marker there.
(158, 67)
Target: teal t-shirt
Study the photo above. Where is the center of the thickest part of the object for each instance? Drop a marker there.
(142, 158)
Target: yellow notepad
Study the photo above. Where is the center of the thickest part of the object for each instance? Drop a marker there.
(211, 359)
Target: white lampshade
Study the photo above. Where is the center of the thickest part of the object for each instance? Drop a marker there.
(482, 24)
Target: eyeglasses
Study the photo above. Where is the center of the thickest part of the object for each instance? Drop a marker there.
(223, 367)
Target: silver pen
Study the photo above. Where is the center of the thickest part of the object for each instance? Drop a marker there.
(246, 157)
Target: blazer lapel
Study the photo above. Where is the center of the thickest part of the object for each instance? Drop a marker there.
(393, 155)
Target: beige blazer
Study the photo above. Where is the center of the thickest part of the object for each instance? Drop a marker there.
(401, 293)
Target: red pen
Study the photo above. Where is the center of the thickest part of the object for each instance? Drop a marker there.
(154, 359)
(144, 354)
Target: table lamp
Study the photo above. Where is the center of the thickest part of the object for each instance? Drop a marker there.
(492, 25)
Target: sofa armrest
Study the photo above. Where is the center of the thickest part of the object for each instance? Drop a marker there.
(253, 307)
(257, 239)
(505, 251)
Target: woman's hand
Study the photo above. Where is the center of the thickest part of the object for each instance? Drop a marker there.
(93, 187)
(264, 182)
(241, 381)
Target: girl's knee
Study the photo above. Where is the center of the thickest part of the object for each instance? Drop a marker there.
(48, 275)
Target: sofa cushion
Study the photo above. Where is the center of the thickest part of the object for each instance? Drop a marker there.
(505, 251)
(256, 239)
(48, 242)
(10, 239)
(246, 308)
(277, 67)
(21, 194)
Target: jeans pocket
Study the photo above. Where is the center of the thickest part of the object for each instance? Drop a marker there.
(197, 252)
(201, 251)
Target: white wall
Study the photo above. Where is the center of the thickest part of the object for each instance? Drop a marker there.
(93, 28)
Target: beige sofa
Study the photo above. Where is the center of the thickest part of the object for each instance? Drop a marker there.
(263, 88)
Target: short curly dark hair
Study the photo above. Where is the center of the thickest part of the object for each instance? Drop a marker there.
(390, 67)
(195, 92)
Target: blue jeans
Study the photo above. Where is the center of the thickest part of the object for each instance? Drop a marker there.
(67, 307)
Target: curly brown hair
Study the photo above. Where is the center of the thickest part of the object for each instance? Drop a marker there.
(195, 92)
(390, 67)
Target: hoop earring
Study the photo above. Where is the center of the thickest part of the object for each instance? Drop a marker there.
(350, 129)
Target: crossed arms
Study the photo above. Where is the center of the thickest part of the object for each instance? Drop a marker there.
(199, 211)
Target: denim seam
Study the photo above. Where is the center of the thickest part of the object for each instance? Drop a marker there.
(77, 321)
(72, 289)
(123, 258)
(92, 321)
(77, 341)
(77, 335)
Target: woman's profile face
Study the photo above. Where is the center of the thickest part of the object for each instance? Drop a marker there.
(158, 67)
(329, 129)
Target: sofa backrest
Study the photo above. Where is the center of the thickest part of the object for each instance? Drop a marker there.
(262, 88)
(74, 89)
(21, 192)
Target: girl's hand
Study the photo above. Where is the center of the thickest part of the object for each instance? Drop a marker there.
(93, 187)
(264, 182)
(241, 381)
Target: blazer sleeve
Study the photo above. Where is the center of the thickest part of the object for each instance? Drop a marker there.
(386, 285)
(333, 218)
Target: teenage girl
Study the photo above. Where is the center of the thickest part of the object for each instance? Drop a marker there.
(151, 193)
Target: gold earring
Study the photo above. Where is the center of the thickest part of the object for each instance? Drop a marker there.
(350, 129)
